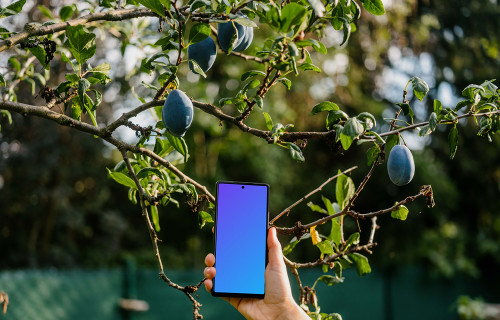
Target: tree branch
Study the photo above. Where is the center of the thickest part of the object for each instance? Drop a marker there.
(44, 112)
(116, 15)
(425, 191)
(188, 290)
(311, 193)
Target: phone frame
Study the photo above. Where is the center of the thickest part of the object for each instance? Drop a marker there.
(231, 294)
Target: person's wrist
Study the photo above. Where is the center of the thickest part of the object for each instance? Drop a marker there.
(292, 311)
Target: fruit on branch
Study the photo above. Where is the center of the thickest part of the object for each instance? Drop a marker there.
(400, 165)
(177, 113)
(226, 33)
(203, 52)
(246, 39)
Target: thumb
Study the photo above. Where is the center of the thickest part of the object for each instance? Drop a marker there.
(275, 255)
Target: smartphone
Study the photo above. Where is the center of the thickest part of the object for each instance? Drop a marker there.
(241, 225)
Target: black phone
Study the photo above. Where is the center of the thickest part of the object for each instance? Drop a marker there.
(241, 225)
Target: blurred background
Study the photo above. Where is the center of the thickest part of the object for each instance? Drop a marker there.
(72, 244)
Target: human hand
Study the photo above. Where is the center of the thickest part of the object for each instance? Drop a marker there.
(278, 301)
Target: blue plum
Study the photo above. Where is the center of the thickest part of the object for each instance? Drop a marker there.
(177, 113)
(226, 31)
(203, 52)
(400, 165)
(246, 40)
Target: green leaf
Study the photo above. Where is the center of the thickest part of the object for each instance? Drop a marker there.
(390, 143)
(368, 118)
(269, 121)
(325, 247)
(420, 87)
(309, 66)
(204, 218)
(352, 129)
(252, 73)
(76, 109)
(433, 121)
(292, 14)
(329, 280)
(7, 115)
(335, 232)
(424, 130)
(328, 204)
(83, 85)
(372, 154)
(344, 190)
(286, 82)
(66, 12)
(375, 7)
(361, 262)
(3, 83)
(295, 152)
(324, 106)
(81, 43)
(197, 68)
(352, 240)
(149, 171)
(12, 9)
(155, 6)
(400, 213)
(199, 32)
(294, 242)
(155, 218)
(471, 90)
(40, 54)
(122, 178)
(438, 107)
(407, 110)
(179, 145)
(102, 68)
(252, 84)
(45, 11)
(453, 141)
(259, 101)
(246, 22)
(316, 208)
(161, 147)
(335, 116)
(462, 104)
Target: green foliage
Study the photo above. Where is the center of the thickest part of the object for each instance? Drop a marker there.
(401, 213)
(290, 39)
(81, 43)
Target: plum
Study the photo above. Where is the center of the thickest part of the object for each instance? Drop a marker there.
(246, 40)
(177, 113)
(400, 165)
(226, 31)
(203, 52)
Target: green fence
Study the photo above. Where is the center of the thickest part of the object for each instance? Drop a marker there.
(83, 294)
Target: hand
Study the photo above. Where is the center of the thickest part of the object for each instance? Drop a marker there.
(278, 301)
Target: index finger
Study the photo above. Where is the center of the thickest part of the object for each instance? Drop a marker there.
(210, 260)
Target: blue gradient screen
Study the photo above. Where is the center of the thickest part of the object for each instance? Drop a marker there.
(241, 233)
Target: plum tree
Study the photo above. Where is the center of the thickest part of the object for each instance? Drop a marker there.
(71, 76)
(203, 53)
(400, 165)
(177, 113)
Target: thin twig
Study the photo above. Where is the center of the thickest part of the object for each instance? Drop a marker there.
(311, 193)
(425, 191)
(328, 259)
(293, 268)
(188, 290)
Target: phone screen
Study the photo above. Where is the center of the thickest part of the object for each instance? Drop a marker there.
(240, 239)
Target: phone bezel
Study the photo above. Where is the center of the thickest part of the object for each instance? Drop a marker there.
(232, 294)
